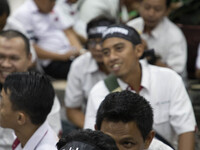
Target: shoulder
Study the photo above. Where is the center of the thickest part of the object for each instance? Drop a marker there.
(82, 61)
(158, 145)
(164, 73)
(173, 30)
(135, 22)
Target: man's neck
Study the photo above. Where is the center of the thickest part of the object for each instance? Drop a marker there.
(134, 79)
(148, 30)
(24, 133)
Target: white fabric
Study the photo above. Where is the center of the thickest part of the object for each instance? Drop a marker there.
(54, 118)
(83, 75)
(14, 24)
(168, 42)
(93, 8)
(158, 145)
(6, 139)
(43, 139)
(47, 28)
(198, 58)
(164, 89)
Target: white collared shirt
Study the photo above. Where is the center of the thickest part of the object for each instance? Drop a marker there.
(164, 89)
(44, 138)
(47, 30)
(83, 75)
(167, 40)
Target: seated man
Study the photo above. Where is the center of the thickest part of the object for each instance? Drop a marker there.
(86, 140)
(83, 77)
(26, 100)
(15, 56)
(162, 87)
(54, 41)
(128, 119)
(162, 35)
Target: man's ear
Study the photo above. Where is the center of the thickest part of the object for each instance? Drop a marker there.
(21, 118)
(139, 50)
(148, 139)
(30, 60)
(95, 127)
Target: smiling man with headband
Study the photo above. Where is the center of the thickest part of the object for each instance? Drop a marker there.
(162, 87)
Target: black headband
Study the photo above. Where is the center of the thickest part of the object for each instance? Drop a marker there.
(122, 31)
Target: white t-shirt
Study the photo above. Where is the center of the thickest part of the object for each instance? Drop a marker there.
(164, 89)
(168, 42)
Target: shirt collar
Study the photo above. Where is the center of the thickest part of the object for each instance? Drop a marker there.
(156, 32)
(145, 84)
(37, 137)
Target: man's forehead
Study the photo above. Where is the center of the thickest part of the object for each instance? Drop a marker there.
(14, 42)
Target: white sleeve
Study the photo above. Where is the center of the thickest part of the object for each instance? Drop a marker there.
(74, 95)
(181, 111)
(177, 55)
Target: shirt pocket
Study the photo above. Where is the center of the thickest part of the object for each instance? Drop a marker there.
(161, 112)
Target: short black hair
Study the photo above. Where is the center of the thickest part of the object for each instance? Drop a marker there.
(87, 138)
(4, 7)
(32, 93)
(126, 106)
(9, 34)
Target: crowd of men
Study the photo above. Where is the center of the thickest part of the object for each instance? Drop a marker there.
(126, 76)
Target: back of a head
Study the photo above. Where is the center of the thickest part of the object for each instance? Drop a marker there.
(9, 34)
(122, 31)
(126, 106)
(97, 26)
(32, 93)
(87, 140)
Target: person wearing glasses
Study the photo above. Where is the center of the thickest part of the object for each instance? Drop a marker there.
(85, 72)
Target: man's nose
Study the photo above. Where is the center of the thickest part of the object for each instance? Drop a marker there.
(5, 63)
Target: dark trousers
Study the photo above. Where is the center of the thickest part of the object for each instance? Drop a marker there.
(58, 69)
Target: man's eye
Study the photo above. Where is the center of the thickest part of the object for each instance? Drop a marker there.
(14, 58)
(119, 48)
(105, 52)
(128, 144)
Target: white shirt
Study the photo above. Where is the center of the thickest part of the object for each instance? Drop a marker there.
(158, 145)
(44, 29)
(168, 42)
(83, 75)
(198, 58)
(44, 138)
(164, 89)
